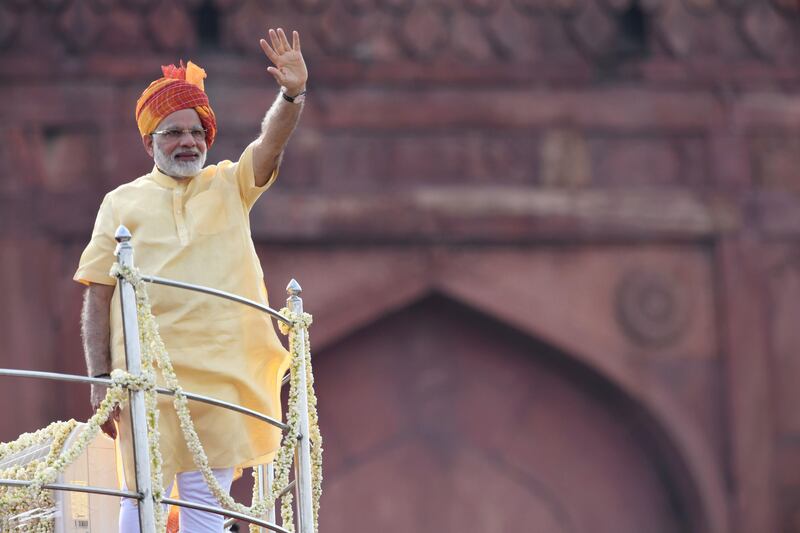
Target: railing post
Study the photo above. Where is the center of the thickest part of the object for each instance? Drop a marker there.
(266, 475)
(302, 473)
(133, 358)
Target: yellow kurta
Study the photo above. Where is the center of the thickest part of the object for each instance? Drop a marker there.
(198, 230)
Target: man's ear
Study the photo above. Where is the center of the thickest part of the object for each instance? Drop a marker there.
(147, 141)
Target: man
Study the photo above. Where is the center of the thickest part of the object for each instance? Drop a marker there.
(191, 223)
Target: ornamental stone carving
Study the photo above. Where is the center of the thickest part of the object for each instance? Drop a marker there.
(8, 25)
(482, 7)
(618, 5)
(594, 30)
(172, 27)
(79, 25)
(790, 6)
(424, 32)
(396, 6)
(358, 6)
(701, 5)
(470, 31)
(767, 31)
(651, 308)
(311, 6)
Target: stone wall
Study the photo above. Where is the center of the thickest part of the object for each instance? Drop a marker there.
(616, 179)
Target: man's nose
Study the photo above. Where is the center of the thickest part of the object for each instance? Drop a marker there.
(187, 139)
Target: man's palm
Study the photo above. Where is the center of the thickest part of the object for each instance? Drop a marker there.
(290, 67)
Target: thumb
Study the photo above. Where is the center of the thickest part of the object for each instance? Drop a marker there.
(276, 74)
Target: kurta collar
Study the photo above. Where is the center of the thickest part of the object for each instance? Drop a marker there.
(167, 181)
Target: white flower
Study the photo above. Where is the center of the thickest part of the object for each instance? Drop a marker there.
(14, 501)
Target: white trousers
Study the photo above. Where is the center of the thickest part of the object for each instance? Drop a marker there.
(192, 487)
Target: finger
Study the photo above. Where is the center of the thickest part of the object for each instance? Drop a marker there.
(284, 40)
(268, 50)
(281, 48)
(276, 43)
(276, 74)
(296, 41)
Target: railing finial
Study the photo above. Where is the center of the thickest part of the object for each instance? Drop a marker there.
(294, 288)
(122, 234)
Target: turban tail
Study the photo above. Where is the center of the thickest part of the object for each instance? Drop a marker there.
(180, 88)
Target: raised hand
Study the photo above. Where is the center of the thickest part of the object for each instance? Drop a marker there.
(289, 68)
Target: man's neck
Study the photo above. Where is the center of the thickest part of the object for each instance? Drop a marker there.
(176, 178)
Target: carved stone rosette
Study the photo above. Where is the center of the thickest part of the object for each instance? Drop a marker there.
(651, 308)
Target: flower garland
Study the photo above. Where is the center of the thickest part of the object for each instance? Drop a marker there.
(299, 325)
(154, 352)
(19, 509)
(31, 508)
(34, 504)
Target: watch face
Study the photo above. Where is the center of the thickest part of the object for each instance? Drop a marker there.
(300, 98)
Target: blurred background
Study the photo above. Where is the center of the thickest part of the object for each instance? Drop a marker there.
(551, 246)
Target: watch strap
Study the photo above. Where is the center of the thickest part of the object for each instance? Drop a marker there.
(291, 99)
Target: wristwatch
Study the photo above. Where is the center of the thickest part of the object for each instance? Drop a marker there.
(299, 99)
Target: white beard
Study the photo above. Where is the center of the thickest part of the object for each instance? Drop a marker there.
(175, 168)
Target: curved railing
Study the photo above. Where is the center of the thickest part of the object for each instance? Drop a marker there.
(302, 482)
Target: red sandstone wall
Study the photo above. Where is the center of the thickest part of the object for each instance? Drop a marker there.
(616, 184)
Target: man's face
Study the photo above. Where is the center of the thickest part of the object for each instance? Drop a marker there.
(178, 155)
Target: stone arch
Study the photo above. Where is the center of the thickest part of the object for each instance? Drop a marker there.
(684, 458)
(390, 280)
(680, 442)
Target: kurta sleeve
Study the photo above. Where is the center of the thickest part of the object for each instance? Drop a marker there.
(246, 180)
(98, 256)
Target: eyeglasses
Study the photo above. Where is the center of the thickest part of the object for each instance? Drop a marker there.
(173, 134)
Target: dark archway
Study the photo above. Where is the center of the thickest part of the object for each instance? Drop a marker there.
(439, 419)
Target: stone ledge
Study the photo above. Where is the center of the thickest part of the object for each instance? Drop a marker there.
(428, 215)
(493, 215)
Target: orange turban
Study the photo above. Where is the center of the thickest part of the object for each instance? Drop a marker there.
(180, 88)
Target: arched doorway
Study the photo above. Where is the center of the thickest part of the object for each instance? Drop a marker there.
(437, 418)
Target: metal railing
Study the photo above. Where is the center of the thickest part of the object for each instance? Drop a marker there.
(302, 482)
